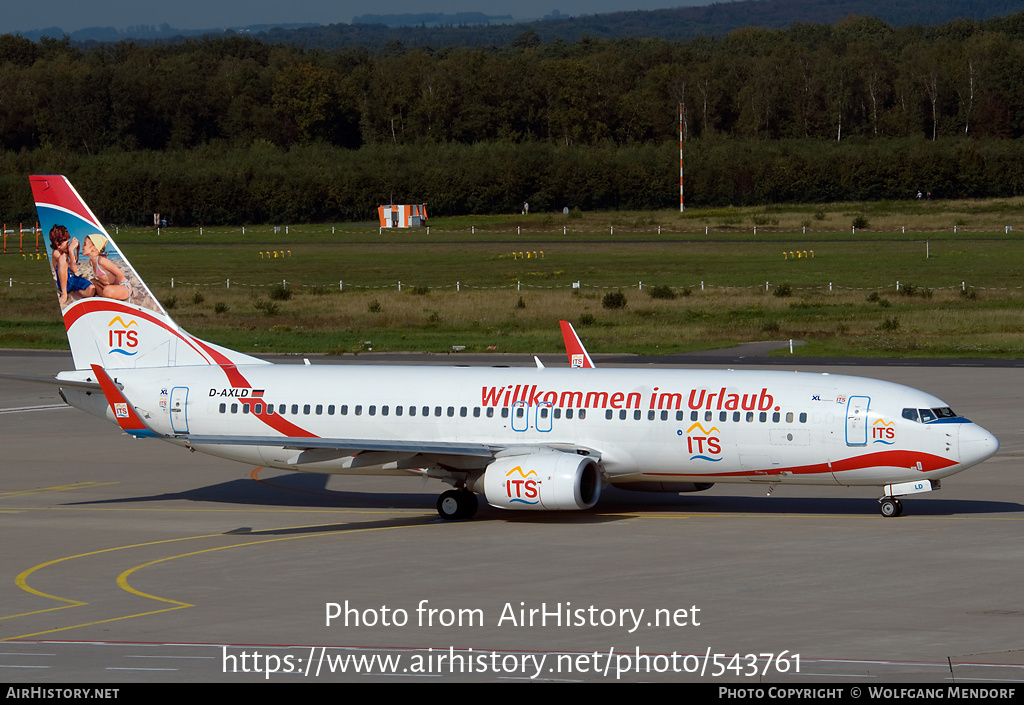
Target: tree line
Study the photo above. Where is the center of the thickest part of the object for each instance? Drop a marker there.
(218, 185)
(250, 131)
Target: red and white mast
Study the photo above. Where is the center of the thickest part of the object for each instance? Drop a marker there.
(682, 206)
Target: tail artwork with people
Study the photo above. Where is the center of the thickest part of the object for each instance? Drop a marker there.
(111, 316)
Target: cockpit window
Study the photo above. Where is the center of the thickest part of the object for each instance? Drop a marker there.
(926, 415)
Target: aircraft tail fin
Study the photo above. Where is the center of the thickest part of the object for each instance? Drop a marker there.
(112, 318)
(578, 355)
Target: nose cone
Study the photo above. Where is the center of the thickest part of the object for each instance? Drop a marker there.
(976, 444)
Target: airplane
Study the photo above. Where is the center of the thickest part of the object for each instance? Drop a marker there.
(527, 438)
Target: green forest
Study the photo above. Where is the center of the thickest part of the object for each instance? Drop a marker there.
(238, 130)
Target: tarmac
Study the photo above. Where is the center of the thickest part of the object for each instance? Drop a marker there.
(131, 561)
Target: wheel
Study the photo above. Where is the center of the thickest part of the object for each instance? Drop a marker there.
(457, 504)
(890, 507)
(899, 507)
(472, 504)
(448, 505)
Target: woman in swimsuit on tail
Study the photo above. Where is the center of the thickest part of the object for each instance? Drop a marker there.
(111, 283)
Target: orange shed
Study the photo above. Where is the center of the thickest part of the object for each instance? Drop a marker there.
(409, 216)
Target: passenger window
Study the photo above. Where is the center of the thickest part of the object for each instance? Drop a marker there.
(622, 415)
(344, 409)
(693, 416)
(258, 409)
(608, 414)
(735, 416)
(789, 417)
(319, 409)
(664, 415)
(295, 409)
(763, 416)
(372, 410)
(330, 410)
(412, 411)
(462, 412)
(582, 414)
(803, 417)
(476, 412)
(234, 408)
(650, 415)
(490, 412)
(398, 410)
(359, 410)
(679, 416)
(708, 416)
(637, 415)
(775, 417)
(223, 408)
(568, 413)
(750, 416)
(504, 412)
(245, 408)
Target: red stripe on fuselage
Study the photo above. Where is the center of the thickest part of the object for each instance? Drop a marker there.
(890, 458)
(284, 426)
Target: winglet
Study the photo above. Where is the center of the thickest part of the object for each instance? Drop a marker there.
(129, 421)
(578, 355)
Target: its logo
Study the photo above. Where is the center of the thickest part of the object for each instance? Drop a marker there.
(883, 432)
(577, 360)
(841, 399)
(120, 410)
(702, 443)
(523, 490)
(122, 340)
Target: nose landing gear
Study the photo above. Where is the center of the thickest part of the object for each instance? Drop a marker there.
(890, 507)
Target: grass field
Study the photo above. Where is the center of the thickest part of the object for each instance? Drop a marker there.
(469, 282)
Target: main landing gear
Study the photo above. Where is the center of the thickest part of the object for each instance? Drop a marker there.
(454, 505)
(890, 507)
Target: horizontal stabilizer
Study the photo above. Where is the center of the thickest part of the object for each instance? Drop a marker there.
(54, 381)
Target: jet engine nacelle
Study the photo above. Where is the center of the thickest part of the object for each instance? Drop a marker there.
(545, 480)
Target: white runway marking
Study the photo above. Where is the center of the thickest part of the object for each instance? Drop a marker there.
(44, 407)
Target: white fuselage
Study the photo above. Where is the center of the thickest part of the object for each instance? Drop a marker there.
(643, 426)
